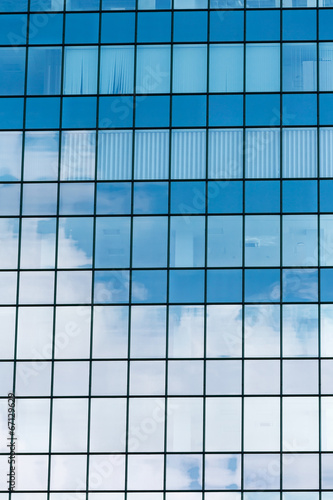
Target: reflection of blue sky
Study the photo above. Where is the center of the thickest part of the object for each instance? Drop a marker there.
(222, 472)
(184, 472)
(262, 285)
(300, 285)
(75, 242)
(111, 286)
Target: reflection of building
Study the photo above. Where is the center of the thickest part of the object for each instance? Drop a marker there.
(166, 261)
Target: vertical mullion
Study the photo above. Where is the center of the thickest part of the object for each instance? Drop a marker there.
(93, 258)
(131, 260)
(56, 256)
(281, 255)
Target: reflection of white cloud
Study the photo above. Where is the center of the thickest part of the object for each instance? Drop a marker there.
(184, 472)
(8, 243)
(300, 330)
(186, 331)
(70, 253)
(301, 472)
(223, 472)
(67, 471)
(32, 472)
(261, 472)
(262, 330)
(145, 472)
(224, 331)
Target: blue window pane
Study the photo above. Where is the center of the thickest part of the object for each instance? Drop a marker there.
(299, 67)
(299, 24)
(226, 4)
(186, 286)
(326, 109)
(39, 199)
(226, 67)
(10, 6)
(226, 26)
(113, 198)
(46, 5)
(75, 242)
(11, 113)
(80, 70)
(150, 197)
(325, 24)
(300, 285)
(13, 29)
(118, 28)
(224, 285)
(112, 242)
(118, 4)
(187, 197)
(299, 196)
(152, 111)
(76, 198)
(11, 156)
(262, 4)
(150, 235)
(262, 196)
(189, 68)
(325, 66)
(190, 27)
(41, 156)
(326, 198)
(225, 197)
(225, 110)
(262, 285)
(45, 31)
(154, 4)
(262, 67)
(82, 28)
(12, 69)
(263, 110)
(117, 70)
(149, 286)
(111, 287)
(115, 112)
(82, 4)
(42, 112)
(79, 112)
(44, 71)
(299, 109)
(10, 199)
(153, 69)
(154, 27)
(262, 25)
(326, 289)
(189, 111)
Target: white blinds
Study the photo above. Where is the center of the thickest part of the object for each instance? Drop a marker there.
(153, 69)
(225, 154)
(188, 154)
(114, 155)
(262, 153)
(151, 159)
(78, 155)
(299, 152)
(189, 68)
(326, 152)
(117, 70)
(80, 72)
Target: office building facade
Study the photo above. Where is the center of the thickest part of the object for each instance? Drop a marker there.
(166, 218)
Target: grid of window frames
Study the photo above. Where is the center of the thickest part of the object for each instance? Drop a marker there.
(167, 260)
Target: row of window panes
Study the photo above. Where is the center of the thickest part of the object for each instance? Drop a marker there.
(186, 198)
(151, 155)
(299, 69)
(180, 495)
(183, 472)
(185, 378)
(186, 248)
(156, 27)
(185, 324)
(82, 5)
(184, 286)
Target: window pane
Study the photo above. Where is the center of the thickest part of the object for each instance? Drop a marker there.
(226, 68)
(300, 236)
(44, 70)
(153, 69)
(80, 70)
(189, 68)
(12, 64)
(225, 241)
(41, 154)
(300, 330)
(263, 67)
(117, 70)
(299, 67)
(299, 152)
(262, 154)
(262, 240)
(326, 66)
(187, 242)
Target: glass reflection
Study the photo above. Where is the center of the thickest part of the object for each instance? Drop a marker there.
(184, 472)
(147, 378)
(76, 198)
(9, 229)
(103, 410)
(39, 199)
(225, 241)
(35, 328)
(223, 472)
(187, 241)
(300, 240)
(146, 425)
(69, 425)
(301, 473)
(110, 338)
(11, 156)
(9, 199)
(223, 424)
(112, 242)
(223, 377)
(72, 332)
(224, 331)
(41, 156)
(262, 241)
(71, 378)
(38, 243)
(298, 437)
(300, 376)
(184, 413)
(109, 378)
(186, 332)
(262, 331)
(145, 472)
(326, 328)
(148, 332)
(150, 241)
(185, 377)
(262, 424)
(261, 472)
(75, 241)
(300, 330)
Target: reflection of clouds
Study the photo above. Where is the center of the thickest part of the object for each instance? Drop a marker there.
(223, 472)
(184, 472)
(224, 331)
(7, 321)
(326, 330)
(145, 472)
(32, 425)
(32, 472)
(41, 156)
(223, 424)
(298, 437)
(300, 330)
(261, 472)
(110, 337)
(185, 424)
(11, 155)
(71, 251)
(107, 472)
(262, 330)
(148, 331)
(67, 471)
(327, 471)
(186, 331)
(301, 472)
(8, 243)
(6, 378)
